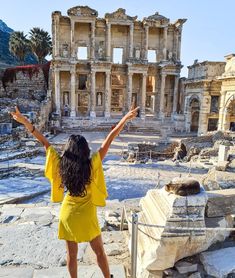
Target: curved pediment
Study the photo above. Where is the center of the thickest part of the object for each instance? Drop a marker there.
(157, 18)
(120, 14)
(82, 11)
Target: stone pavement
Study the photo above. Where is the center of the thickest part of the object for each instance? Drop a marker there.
(29, 245)
(59, 272)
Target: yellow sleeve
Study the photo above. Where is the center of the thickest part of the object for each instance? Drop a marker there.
(98, 188)
(52, 173)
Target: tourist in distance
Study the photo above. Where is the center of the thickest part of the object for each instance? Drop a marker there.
(83, 178)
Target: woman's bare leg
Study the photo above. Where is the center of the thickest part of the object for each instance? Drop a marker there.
(72, 251)
(98, 248)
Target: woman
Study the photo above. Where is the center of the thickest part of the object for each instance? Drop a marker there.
(83, 179)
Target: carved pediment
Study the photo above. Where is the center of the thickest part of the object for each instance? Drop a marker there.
(230, 67)
(160, 19)
(120, 14)
(82, 11)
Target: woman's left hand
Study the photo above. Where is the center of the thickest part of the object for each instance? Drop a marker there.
(18, 116)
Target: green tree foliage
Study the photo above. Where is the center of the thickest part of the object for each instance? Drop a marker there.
(40, 43)
(19, 45)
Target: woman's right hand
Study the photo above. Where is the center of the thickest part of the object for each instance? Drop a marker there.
(18, 116)
(132, 113)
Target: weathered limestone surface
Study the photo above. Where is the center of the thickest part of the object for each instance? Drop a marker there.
(219, 263)
(60, 272)
(220, 203)
(160, 248)
(29, 239)
(216, 180)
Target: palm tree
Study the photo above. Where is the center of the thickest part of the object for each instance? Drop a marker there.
(40, 42)
(19, 45)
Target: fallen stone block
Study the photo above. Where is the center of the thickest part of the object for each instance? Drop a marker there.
(195, 275)
(220, 203)
(219, 263)
(185, 267)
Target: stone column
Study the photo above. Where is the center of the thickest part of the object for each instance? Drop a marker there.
(56, 34)
(92, 95)
(129, 91)
(176, 94)
(108, 41)
(143, 97)
(179, 43)
(131, 40)
(73, 92)
(107, 96)
(57, 91)
(162, 96)
(92, 52)
(176, 43)
(73, 50)
(221, 111)
(165, 43)
(146, 42)
(157, 95)
(204, 110)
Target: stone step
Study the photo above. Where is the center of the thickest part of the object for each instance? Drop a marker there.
(91, 271)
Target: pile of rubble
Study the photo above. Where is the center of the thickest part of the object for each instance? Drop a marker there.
(145, 151)
(204, 147)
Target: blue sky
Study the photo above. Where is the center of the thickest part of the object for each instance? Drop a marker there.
(209, 33)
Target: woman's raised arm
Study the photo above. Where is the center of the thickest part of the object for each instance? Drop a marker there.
(118, 128)
(23, 120)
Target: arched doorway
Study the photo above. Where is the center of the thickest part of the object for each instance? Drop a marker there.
(230, 114)
(195, 112)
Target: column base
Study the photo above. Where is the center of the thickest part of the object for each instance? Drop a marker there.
(107, 115)
(73, 113)
(173, 115)
(92, 114)
(161, 115)
(58, 111)
(142, 116)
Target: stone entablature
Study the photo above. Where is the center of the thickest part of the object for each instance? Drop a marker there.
(143, 55)
(205, 70)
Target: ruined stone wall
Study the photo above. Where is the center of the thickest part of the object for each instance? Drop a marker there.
(27, 88)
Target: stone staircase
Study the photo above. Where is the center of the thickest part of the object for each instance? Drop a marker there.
(77, 124)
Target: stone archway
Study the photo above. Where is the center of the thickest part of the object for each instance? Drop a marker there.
(193, 113)
(194, 121)
(229, 114)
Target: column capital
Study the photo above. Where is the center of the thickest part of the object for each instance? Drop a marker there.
(130, 73)
(145, 74)
(72, 71)
(146, 27)
(223, 93)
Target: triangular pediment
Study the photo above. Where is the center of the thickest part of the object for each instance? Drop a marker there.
(82, 11)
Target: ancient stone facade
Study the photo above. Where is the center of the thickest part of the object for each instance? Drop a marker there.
(202, 96)
(227, 102)
(103, 65)
(209, 96)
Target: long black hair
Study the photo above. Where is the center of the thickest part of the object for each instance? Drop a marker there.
(75, 166)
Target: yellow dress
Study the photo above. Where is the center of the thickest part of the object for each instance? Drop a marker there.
(78, 217)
